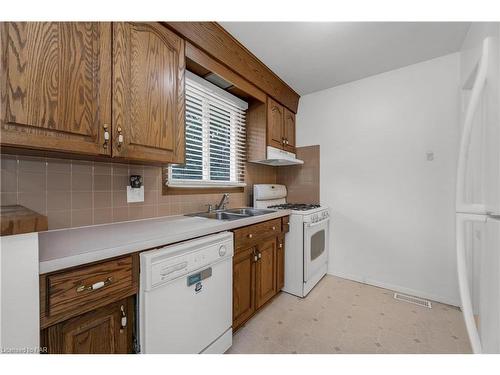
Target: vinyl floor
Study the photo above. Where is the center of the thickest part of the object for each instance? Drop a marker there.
(340, 316)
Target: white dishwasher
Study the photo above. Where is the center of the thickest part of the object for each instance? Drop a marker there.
(185, 299)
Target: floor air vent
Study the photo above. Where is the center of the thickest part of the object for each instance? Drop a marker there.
(414, 300)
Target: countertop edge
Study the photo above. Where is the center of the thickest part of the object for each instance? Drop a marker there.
(98, 255)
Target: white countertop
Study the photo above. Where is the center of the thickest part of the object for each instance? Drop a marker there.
(63, 248)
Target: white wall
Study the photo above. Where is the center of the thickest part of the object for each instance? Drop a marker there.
(393, 210)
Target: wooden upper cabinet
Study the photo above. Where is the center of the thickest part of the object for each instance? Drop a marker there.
(55, 85)
(148, 93)
(280, 126)
(274, 123)
(289, 130)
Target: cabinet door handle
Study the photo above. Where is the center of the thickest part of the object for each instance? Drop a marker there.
(106, 136)
(123, 323)
(274, 228)
(259, 255)
(94, 286)
(250, 235)
(281, 246)
(120, 137)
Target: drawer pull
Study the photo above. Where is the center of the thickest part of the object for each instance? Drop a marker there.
(120, 137)
(106, 136)
(123, 320)
(94, 286)
(281, 245)
(274, 228)
(250, 235)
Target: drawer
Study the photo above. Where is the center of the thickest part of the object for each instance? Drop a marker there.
(251, 235)
(84, 288)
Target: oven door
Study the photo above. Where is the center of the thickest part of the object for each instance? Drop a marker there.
(316, 240)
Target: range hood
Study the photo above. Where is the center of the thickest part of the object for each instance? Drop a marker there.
(277, 157)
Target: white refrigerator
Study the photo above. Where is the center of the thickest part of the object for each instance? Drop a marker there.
(478, 199)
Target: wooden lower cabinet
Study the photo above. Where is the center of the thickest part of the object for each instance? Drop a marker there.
(99, 331)
(258, 267)
(90, 308)
(243, 285)
(280, 263)
(265, 273)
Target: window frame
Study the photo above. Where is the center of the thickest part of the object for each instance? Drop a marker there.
(176, 184)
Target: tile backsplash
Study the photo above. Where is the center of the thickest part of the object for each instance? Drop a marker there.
(302, 181)
(74, 193)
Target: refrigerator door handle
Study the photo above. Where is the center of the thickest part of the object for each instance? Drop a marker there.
(463, 155)
(463, 281)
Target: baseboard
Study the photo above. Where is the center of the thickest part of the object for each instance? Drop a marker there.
(396, 288)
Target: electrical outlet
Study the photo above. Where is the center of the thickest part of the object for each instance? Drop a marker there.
(135, 195)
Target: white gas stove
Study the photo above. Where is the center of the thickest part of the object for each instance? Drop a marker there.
(307, 242)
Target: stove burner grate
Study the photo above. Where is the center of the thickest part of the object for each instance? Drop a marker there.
(295, 206)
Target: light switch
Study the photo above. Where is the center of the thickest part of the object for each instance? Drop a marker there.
(135, 194)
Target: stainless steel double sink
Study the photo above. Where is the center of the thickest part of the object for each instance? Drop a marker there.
(232, 214)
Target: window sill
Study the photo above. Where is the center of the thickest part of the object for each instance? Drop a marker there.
(179, 189)
(204, 184)
(185, 188)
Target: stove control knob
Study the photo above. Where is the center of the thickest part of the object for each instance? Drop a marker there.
(222, 250)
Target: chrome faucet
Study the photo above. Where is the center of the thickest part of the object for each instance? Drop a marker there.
(223, 202)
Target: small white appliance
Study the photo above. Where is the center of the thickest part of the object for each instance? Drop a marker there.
(185, 298)
(307, 242)
(478, 197)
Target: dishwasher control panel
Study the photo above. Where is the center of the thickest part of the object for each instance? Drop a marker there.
(185, 258)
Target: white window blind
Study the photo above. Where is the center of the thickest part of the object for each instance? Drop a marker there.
(215, 138)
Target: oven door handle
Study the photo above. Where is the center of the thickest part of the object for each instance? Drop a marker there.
(311, 225)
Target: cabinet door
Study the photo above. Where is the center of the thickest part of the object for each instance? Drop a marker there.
(55, 84)
(243, 286)
(265, 274)
(289, 130)
(280, 263)
(148, 93)
(96, 332)
(274, 123)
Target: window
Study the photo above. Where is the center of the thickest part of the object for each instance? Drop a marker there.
(215, 138)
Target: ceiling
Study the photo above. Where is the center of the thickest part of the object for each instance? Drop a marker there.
(311, 56)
